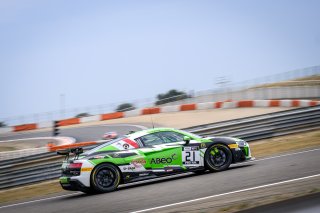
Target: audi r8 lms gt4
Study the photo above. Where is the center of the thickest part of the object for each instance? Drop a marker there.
(148, 154)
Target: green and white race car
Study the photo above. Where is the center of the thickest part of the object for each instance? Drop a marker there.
(148, 154)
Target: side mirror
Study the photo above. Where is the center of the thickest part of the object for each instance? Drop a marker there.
(186, 139)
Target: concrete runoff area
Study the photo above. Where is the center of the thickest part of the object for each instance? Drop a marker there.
(94, 130)
(25, 144)
(182, 119)
(192, 118)
(280, 145)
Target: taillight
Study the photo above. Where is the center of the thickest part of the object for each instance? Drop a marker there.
(75, 166)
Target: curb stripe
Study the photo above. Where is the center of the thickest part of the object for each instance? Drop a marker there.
(228, 104)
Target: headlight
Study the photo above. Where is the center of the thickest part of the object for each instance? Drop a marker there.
(242, 143)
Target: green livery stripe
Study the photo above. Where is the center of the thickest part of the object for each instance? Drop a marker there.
(246, 150)
(64, 180)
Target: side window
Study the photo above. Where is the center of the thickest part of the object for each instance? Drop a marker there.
(170, 137)
(151, 139)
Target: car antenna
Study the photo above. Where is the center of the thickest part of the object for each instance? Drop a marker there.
(151, 118)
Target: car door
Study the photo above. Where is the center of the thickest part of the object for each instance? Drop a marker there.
(190, 153)
(160, 155)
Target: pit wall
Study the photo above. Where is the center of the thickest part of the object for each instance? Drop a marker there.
(165, 109)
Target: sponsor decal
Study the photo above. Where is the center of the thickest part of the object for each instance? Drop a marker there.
(131, 142)
(190, 156)
(163, 160)
(190, 148)
(174, 156)
(128, 168)
(143, 174)
(138, 162)
(86, 169)
(97, 157)
(126, 146)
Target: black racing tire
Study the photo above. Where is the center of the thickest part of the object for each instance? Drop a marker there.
(218, 157)
(105, 178)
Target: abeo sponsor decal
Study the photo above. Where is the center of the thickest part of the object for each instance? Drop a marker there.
(163, 160)
(86, 169)
(138, 162)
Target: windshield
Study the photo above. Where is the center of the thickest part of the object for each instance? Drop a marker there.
(102, 145)
(191, 134)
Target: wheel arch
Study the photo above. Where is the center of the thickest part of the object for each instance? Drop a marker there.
(108, 163)
(218, 143)
(223, 142)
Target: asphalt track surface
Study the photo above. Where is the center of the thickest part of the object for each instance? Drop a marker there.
(84, 133)
(181, 188)
(305, 204)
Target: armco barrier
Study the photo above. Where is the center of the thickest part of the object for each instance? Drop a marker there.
(110, 116)
(24, 127)
(70, 121)
(163, 109)
(148, 111)
(187, 107)
(250, 129)
(53, 141)
(22, 153)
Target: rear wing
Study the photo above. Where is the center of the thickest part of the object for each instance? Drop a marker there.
(76, 151)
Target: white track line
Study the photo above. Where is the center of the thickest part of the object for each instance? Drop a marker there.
(43, 199)
(228, 193)
(150, 180)
(278, 156)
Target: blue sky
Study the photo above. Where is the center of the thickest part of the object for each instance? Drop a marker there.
(100, 52)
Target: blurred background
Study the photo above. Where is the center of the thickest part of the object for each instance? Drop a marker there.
(63, 59)
(78, 58)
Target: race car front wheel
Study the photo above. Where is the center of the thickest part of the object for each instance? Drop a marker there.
(105, 178)
(218, 157)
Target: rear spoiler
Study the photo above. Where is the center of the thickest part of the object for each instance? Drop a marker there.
(76, 151)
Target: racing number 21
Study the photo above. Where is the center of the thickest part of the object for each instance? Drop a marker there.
(191, 156)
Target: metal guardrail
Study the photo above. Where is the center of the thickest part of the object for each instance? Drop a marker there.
(250, 129)
(22, 153)
(264, 126)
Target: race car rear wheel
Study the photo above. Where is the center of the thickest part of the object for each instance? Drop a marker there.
(105, 178)
(218, 157)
